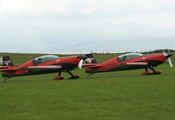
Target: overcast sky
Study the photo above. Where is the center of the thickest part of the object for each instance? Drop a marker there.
(65, 26)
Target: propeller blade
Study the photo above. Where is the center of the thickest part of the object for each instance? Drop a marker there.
(80, 64)
(168, 51)
(170, 63)
(1, 61)
(82, 57)
(164, 53)
(79, 47)
(168, 55)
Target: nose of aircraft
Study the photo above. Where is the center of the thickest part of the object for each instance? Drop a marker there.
(80, 64)
(168, 55)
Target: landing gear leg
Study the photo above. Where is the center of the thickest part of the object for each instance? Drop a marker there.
(72, 76)
(151, 73)
(157, 72)
(59, 77)
(146, 69)
(6, 79)
(151, 67)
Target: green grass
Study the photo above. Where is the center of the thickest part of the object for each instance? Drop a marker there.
(121, 95)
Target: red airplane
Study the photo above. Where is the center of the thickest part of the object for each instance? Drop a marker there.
(42, 65)
(129, 61)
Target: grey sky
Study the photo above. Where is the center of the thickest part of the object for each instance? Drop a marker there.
(58, 26)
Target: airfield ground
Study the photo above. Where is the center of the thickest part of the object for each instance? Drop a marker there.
(121, 95)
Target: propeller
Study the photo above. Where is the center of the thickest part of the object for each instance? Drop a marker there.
(168, 55)
(1, 61)
(80, 64)
(170, 63)
(79, 47)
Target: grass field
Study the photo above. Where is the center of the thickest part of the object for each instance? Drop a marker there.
(121, 95)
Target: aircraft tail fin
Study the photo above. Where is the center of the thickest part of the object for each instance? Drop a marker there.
(6, 61)
(90, 59)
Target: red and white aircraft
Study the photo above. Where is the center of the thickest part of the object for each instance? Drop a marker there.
(42, 65)
(129, 61)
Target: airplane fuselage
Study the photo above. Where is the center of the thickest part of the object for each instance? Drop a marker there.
(66, 63)
(115, 64)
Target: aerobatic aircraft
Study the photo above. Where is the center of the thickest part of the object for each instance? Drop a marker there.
(42, 65)
(129, 61)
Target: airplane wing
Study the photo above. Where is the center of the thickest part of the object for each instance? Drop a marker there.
(137, 63)
(44, 67)
(30, 67)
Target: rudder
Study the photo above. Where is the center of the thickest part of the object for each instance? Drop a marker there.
(6, 61)
(90, 59)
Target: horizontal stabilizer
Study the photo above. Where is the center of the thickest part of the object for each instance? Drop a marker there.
(88, 65)
(7, 68)
(93, 65)
(1, 67)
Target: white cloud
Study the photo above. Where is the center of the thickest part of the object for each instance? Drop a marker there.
(17, 7)
(73, 21)
(159, 20)
(33, 7)
(149, 5)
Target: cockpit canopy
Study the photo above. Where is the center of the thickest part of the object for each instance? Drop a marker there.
(44, 58)
(128, 56)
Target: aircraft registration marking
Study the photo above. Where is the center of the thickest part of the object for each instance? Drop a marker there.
(58, 60)
(143, 58)
(109, 66)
